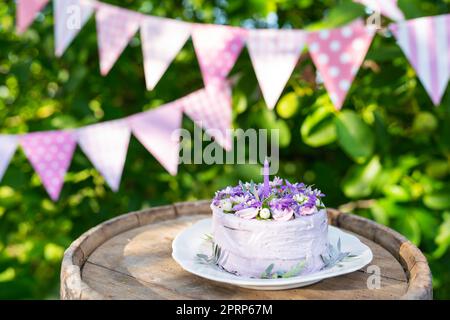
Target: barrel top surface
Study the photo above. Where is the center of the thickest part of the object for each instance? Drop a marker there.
(130, 258)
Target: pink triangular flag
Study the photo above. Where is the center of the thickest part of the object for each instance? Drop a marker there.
(162, 39)
(274, 55)
(8, 146)
(50, 153)
(26, 11)
(426, 43)
(70, 16)
(210, 109)
(106, 145)
(217, 48)
(157, 129)
(388, 8)
(115, 28)
(338, 54)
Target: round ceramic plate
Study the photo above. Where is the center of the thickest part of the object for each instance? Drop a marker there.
(191, 242)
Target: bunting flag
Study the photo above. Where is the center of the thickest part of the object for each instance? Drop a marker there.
(26, 11)
(426, 43)
(106, 145)
(388, 8)
(8, 146)
(162, 39)
(157, 131)
(210, 109)
(274, 55)
(70, 17)
(50, 153)
(338, 54)
(115, 28)
(217, 48)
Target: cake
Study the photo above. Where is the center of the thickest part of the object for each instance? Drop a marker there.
(271, 229)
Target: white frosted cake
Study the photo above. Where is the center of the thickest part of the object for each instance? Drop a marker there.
(270, 230)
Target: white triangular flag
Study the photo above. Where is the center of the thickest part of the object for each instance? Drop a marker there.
(162, 39)
(8, 146)
(115, 28)
(70, 16)
(274, 55)
(106, 145)
(157, 130)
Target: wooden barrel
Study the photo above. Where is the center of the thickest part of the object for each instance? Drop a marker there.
(129, 257)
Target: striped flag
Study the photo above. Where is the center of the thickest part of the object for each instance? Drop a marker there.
(426, 44)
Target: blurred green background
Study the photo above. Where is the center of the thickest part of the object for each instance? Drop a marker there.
(386, 156)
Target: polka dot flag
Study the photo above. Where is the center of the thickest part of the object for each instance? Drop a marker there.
(50, 153)
(115, 28)
(217, 48)
(338, 54)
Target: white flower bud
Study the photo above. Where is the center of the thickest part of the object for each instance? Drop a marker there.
(264, 213)
(300, 198)
(318, 203)
(226, 205)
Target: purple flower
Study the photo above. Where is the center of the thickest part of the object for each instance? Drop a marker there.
(284, 200)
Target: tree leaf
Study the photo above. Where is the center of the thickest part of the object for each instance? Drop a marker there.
(319, 128)
(438, 200)
(288, 105)
(360, 179)
(354, 136)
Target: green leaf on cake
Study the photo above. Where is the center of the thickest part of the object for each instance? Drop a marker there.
(295, 271)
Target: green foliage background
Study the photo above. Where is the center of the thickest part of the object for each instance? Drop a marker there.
(385, 156)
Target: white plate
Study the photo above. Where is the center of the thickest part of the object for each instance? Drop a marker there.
(190, 242)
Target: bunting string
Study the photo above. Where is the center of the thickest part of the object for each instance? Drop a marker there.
(274, 53)
(337, 54)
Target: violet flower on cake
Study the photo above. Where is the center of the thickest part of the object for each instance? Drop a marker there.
(282, 201)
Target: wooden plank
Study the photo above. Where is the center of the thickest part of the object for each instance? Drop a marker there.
(141, 258)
